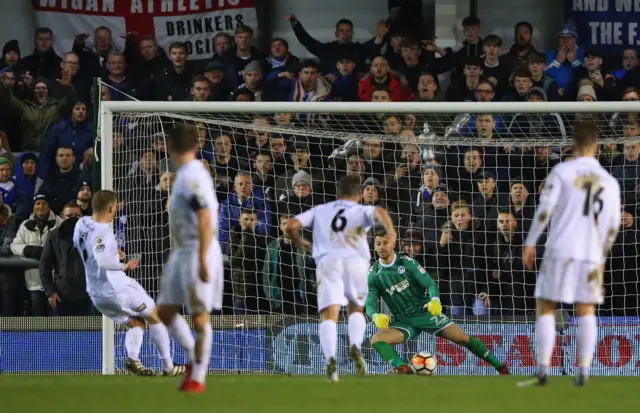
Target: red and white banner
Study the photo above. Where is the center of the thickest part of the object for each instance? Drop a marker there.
(194, 22)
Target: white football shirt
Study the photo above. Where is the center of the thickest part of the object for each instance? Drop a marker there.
(193, 189)
(339, 229)
(582, 200)
(99, 252)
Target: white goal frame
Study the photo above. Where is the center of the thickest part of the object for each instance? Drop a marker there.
(109, 109)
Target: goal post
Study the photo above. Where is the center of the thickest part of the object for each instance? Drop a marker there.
(434, 173)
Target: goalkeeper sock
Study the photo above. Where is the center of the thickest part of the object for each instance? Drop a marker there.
(478, 348)
(388, 353)
(545, 339)
(160, 337)
(357, 325)
(133, 342)
(328, 339)
(586, 341)
(203, 351)
(181, 332)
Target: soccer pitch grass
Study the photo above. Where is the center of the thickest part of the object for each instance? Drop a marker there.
(283, 394)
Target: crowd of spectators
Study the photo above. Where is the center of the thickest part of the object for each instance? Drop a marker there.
(461, 210)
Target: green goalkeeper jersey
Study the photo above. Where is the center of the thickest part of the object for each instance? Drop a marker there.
(403, 285)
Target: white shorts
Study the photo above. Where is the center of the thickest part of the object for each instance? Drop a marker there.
(181, 285)
(563, 280)
(341, 281)
(130, 301)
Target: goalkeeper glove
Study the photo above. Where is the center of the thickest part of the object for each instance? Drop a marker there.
(381, 320)
(434, 306)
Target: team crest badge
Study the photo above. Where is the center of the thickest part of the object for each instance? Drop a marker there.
(401, 270)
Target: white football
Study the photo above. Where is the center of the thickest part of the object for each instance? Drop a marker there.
(424, 364)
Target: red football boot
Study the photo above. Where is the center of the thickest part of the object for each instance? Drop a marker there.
(194, 387)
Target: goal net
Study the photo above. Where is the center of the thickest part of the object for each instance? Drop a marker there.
(461, 182)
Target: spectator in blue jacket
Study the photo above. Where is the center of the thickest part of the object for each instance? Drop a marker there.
(243, 197)
(27, 185)
(344, 81)
(7, 186)
(562, 62)
(75, 131)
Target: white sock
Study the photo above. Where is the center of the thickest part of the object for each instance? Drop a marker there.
(545, 340)
(587, 337)
(181, 332)
(328, 339)
(133, 342)
(357, 325)
(203, 351)
(160, 337)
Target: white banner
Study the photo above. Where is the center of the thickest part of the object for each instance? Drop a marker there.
(193, 22)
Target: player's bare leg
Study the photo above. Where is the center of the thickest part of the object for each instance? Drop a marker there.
(179, 329)
(329, 339)
(160, 337)
(133, 343)
(587, 338)
(545, 340)
(357, 326)
(383, 342)
(202, 351)
(455, 334)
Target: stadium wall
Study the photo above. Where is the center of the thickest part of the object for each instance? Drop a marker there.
(284, 345)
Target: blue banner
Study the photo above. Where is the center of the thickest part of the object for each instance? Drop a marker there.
(295, 349)
(609, 25)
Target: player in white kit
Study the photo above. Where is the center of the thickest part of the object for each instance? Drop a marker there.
(582, 201)
(343, 258)
(194, 274)
(114, 294)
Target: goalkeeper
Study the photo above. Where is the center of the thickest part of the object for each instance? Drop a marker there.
(401, 282)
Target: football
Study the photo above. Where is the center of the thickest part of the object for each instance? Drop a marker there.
(424, 364)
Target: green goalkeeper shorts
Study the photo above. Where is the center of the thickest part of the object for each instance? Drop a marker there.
(412, 326)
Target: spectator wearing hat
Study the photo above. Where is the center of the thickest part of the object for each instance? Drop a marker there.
(75, 131)
(623, 283)
(485, 202)
(433, 216)
(344, 80)
(280, 58)
(605, 84)
(518, 55)
(472, 45)
(10, 56)
(84, 199)
(62, 186)
(243, 197)
(542, 80)
(62, 270)
(586, 92)
(412, 245)
(28, 243)
(40, 111)
(301, 160)
(462, 88)
(303, 198)
(7, 186)
(380, 74)
(214, 72)
(44, 62)
(373, 195)
(252, 81)
(328, 53)
(240, 55)
(27, 185)
(10, 294)
(563, 61)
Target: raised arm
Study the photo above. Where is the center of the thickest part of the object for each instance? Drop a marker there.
(312, 45)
